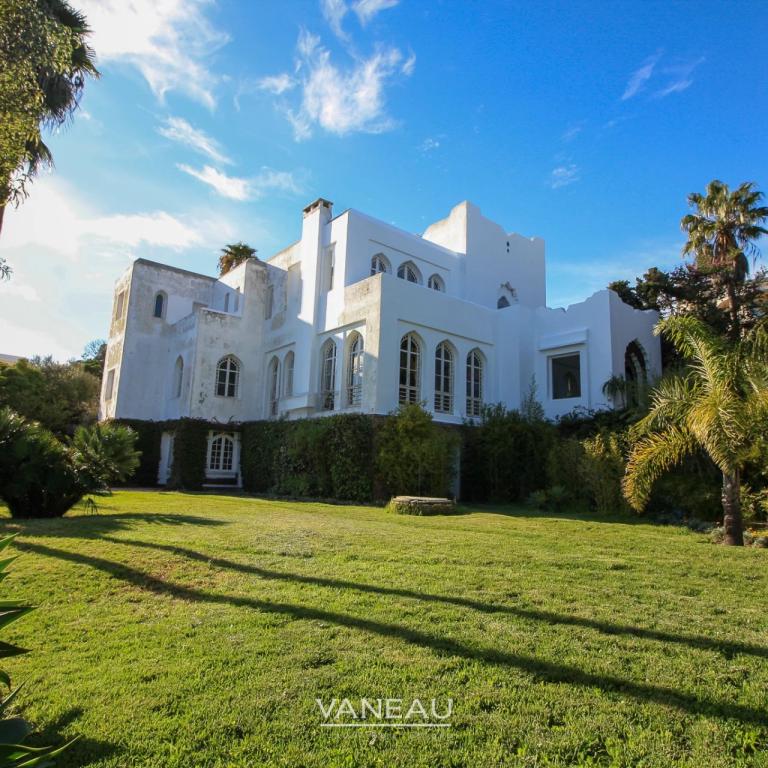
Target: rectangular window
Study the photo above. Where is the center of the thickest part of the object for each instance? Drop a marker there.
(108, 389)
(119, 304)
(566, 376)
(269, 306)
(330, 257)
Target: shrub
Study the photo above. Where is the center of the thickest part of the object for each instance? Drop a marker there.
(190, 445)
(414, 505)
(415, 456)
(148, 436)
(602, 469)
(537, 499)
(42, 477)
(564, 468)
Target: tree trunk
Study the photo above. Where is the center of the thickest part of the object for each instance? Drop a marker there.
(733, 310)
(734, 534)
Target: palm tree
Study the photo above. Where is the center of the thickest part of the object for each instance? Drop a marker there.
(719, 404)
(721, 235)
(233, 255)
(60, 87)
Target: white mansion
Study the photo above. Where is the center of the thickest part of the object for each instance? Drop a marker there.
(358, 316)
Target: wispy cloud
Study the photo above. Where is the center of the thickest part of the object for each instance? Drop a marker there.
(343, 101)
(277, 84)
(179, 130)
(242, 189)
(572, 131)
(169, 42)
(428, 145)
(680, 77)
(563, 175)
(641, 76)
(334, 12)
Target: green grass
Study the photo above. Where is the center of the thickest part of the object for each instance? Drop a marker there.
(196, 630)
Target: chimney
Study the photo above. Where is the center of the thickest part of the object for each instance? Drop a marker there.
(324, 206)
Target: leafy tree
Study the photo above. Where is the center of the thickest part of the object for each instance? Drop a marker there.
(40, 476)
(93, 358)
(46, 62)
(721, 237)
(233, 255)
(719, 405)
(60, 396)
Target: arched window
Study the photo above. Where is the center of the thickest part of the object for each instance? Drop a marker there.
(288, 374)
(355, 370)
(328, 375)
(474, 383)
(502, 302)
(159, 310)
(227, 377)
(635, 373)
(178, 376)
(379, 263)
(443, 378)
(436, 283)
(410, 369)
(273, 385)
(221, 454)
(408, 271)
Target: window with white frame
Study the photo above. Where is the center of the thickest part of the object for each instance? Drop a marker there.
(221, 453)
(110, 385)
(227, 377)
(328, 375)
(160, 301)
(355, 370)
(379, 263)
(410, 370)
(436, 283)
(274, 385)
(474, 383)
(443, 378)
(178, 376)
(408, 271)
(288, 374)
(565, 375)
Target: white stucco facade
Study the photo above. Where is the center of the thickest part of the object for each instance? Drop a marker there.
(327, 326)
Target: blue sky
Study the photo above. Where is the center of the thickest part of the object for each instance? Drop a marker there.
(584, 123)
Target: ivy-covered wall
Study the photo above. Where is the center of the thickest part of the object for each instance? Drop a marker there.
(148, 435)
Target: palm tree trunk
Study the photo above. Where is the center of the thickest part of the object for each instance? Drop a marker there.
(734, 534)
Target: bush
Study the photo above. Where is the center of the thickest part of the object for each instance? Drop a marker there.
(415, 456)
(148, 436)
(414, 505)
(42, 477)
(190, 445)
(602, 470)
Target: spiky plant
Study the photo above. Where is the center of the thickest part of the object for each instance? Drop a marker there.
(722, 234)
(718, 404)
(233, 255)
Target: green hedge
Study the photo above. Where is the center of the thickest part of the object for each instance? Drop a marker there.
(190, 445)
(148, 443)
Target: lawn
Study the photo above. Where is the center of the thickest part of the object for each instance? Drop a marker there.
(198, 630)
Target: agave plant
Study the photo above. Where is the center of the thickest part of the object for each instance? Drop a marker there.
(14, 730)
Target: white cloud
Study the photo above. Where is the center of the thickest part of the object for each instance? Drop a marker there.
(640, 76)
(277, 84)
(342, 101)
(367, 9)
(179, 130)
(681, 77)
(334, 12)
(168, 41)
(234, 188)
(429, 144)
(563, 175)
(570, 133)
(231, 187)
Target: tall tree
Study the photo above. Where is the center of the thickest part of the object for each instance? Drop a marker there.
(719, 405)
(233, 255)
(46, 61)
(721, 236)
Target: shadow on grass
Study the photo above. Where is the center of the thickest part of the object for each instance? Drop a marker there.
(539, 669)
(83, 752)
(97, 525)
(607, 627)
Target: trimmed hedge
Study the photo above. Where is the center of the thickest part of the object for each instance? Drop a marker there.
(148, 434)
(190, 446)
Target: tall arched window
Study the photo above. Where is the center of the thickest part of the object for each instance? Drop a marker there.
(227, 377)
(178, 376)
(436, 283)
(328, 375)
(221, 454)
(355, 370)
(635, 373)
(379, 263)
(408, 271)
(474, 383)
(273, 385)
(443, 378)
(410, 369)
(159, 310)
(288, 374)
